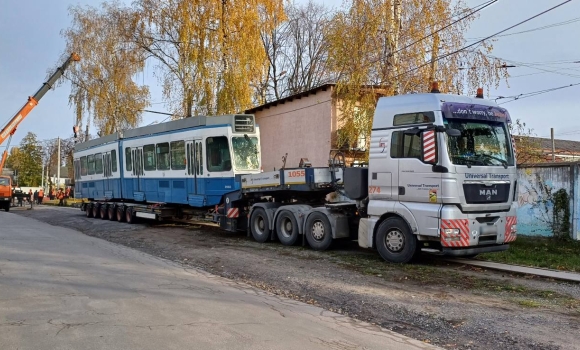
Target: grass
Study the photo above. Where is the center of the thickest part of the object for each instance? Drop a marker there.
(540, 252)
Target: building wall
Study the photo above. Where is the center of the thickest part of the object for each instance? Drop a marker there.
(302, 128)
(534, 214)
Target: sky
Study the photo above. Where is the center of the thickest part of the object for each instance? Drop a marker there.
(31, 44)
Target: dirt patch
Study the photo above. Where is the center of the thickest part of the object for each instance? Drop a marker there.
(453, 306)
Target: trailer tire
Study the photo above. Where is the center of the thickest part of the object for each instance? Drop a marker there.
(318, 231)
(121, 214)
(96, 210)
(111, 212)
(260, 225)
(104, 212)
(129, 216)
(395, 241)
(287, 228)
(89, 210)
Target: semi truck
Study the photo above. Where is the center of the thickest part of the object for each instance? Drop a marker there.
(441, 178)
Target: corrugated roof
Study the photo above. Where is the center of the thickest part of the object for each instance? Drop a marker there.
(290, 98)
(559, 145)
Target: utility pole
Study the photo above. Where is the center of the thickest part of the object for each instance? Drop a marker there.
(553, 145)
(42, 181)
(58, 166)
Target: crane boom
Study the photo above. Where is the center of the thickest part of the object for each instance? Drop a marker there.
(11, 126)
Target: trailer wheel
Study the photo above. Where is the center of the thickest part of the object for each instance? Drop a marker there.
(104, 212)
(318, 231)
(111, 212)
(121, 214)
(260, 225)
(96, 210)
(287, 228)
(89, 210)
(129, 216)
(395, 241)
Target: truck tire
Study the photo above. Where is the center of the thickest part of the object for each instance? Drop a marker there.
(121, 214)
(89, 210)
(129, 216)
(318, 231)
(395, 241)
(7, 207)
(260, 225)
(112, 212)
(96, 210)
(104, 212)
(287, 228)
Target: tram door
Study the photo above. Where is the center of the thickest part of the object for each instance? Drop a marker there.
(107, 175)
(138, 188)
(195, 183)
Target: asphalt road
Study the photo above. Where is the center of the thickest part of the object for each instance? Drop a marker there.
(60, 289)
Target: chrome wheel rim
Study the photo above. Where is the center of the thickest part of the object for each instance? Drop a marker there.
(318, 230)
(395, 240)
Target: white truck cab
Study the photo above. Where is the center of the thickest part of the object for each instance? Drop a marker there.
(443, 167)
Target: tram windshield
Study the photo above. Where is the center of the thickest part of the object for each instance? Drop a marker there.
(246, 155)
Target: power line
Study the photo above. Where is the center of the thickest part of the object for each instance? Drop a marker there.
(558, 24)
(482, 40)
(535, 93)
(489, 3)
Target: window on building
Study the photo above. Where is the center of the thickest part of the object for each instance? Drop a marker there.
(218, 154)
(91, 164)
(84, 168)
(98, 163)
(178, 155)
(414, 118)
(128, 159)
(163, 156)
(114, 160)
(405, 146)
(149, 155)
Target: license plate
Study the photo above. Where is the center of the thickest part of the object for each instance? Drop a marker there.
(488, 230)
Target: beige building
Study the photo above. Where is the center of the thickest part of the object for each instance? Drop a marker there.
(303, 125)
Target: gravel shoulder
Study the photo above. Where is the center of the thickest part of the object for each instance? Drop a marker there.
(453, 306)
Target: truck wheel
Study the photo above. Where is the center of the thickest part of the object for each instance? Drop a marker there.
(89, 210)
(104, 212)
(7, 207)
(260, 225)
(318, 231)
(96, 210)
(395, 242)
(121, 214)
(129, 216)
(287, 228)
(112, 213)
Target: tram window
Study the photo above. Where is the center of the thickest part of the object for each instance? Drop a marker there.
(149, 155)
(218, 154)
(178, 155)
(114, 160)
(128, 160)
(163, 156)
(91, 164)
(200, 158)
(98, 163)
(84, 166)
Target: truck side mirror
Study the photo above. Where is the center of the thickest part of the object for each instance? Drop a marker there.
(429, 147)
(453, 132)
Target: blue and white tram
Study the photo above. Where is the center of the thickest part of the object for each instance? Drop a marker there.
(191, 161)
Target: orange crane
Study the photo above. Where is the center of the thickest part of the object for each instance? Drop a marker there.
(10, 128)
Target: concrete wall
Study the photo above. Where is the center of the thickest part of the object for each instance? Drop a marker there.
(533, 213)
(302, 128)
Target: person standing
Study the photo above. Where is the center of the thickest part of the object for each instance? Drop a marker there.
(40, 195)
(30, 197)
(35, 197)
(60, 198)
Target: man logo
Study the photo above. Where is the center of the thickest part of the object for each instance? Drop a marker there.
(488, 193)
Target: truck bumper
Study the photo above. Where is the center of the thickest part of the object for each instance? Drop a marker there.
(5, 199)
(459, 231)
(474, 250)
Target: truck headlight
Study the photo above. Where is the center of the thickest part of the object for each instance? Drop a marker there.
(452, 234)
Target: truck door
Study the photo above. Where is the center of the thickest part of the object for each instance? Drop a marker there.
(419, 185)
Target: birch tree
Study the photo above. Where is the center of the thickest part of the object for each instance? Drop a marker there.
(207, 53)
(385, 47)
(103, 82)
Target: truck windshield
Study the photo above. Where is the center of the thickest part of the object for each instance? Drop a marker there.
(482, 142)
(246, 156)
(4, 181)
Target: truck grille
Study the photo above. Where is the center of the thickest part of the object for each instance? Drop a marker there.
(480, 193)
